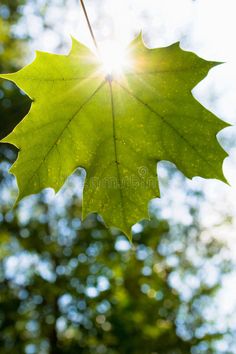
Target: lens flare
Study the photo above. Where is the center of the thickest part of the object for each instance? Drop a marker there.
(114, 58)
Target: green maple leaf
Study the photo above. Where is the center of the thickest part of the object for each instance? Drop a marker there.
(116, 128)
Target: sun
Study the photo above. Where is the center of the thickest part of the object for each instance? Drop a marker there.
(114, 58)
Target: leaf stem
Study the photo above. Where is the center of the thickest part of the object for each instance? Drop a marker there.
(89, 25)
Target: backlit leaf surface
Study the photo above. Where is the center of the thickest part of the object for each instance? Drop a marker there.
(116, 127)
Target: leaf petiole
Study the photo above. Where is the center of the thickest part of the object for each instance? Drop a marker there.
(89, 25)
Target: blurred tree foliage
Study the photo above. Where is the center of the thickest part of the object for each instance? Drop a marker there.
(77, 293)
(68, 286)
(13, 104)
